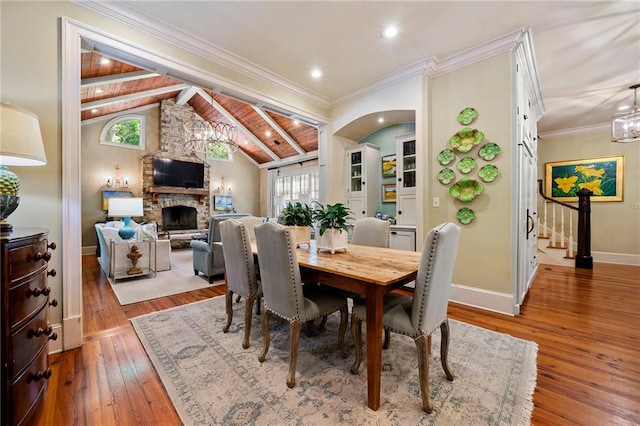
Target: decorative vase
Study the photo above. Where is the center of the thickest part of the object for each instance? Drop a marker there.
(301, 234)
(332, 240)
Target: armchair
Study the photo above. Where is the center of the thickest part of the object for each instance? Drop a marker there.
(208, 257)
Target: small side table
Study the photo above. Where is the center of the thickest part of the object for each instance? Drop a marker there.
(121, 264)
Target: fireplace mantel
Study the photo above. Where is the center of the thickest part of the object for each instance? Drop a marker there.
(157, 190)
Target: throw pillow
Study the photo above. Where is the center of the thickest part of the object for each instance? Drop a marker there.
(147, 232)
(114, 224)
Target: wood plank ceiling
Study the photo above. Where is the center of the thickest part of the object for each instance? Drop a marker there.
(268, 138)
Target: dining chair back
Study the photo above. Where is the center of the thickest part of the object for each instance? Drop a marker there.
(418, 316)
(250, 222)
(284, 294)
(239, 272)
(370, 231)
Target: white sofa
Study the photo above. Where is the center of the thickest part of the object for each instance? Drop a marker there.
(107, 232)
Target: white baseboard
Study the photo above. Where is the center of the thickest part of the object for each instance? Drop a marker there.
(89, 250)
(71, 332)
(619, 258)
(484, 299)
(56, 345)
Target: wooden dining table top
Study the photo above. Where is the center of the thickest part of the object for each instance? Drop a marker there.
(373, 265)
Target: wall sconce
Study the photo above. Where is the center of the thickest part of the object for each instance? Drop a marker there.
(221, 189)
(116, 180)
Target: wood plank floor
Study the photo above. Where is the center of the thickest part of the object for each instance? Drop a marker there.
(586, 324)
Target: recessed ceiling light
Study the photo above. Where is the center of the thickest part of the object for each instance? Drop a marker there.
(296, 122)
(99, 90)
(94, 110)
(623, 107)
(268, 133)
(104, 61)
(316, 73)
(390, 32)
(380, 120)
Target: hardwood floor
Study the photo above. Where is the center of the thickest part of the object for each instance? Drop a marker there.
(585, 323)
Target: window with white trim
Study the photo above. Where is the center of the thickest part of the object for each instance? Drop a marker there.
(301, 185)
(126, 131)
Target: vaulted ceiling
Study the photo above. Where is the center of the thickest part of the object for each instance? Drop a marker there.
(268, 138)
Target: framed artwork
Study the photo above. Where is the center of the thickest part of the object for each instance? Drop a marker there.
(106, 194)
(389, 166)
(222, 203)
(602, 176)
(389, 193)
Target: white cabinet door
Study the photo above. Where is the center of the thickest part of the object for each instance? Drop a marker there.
(406, 164)
(357, 206)
(406, 207)
(402, 240)
(363, 189)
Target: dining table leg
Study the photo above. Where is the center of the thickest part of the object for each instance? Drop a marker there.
(374, 298)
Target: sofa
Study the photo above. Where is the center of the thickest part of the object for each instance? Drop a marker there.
(112, 262)
(207, 256)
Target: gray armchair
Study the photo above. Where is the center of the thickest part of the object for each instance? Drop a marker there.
(419, 316)
(208, 257)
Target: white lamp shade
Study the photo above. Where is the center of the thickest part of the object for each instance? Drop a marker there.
(125, 206)
(20, 137)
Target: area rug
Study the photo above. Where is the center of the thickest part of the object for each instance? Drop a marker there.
(211, 380)
(179, 279)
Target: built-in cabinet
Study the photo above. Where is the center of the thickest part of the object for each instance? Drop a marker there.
(402, 238)
(527, 114)
(363, 189)
(406, 180)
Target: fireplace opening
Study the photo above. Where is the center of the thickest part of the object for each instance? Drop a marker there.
(179, 218)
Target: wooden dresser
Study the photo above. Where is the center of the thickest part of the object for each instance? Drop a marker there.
(25, 322)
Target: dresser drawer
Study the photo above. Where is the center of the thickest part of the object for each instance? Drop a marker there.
(29, 389)
(23, 301)
(22, 260)
(28, 341)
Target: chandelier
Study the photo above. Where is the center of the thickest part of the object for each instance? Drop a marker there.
(625, 126)
(201, 136)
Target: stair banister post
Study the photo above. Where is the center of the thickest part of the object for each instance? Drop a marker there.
(583, 256)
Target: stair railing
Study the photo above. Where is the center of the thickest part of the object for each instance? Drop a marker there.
(583, 257)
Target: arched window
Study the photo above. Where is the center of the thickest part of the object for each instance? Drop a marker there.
(126, 131)
(218, 151)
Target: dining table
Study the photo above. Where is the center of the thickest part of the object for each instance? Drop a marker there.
(367, 271)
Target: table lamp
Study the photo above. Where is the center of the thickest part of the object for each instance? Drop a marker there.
(125, 207)
(20, 145)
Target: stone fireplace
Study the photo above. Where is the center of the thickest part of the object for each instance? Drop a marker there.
(179, 218)
(156, 199)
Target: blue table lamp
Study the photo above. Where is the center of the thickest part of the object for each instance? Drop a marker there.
(125, 207)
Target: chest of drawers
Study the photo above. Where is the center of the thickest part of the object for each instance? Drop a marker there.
(26, 331)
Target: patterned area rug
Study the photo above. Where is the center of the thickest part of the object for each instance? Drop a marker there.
(179, 279)
(212, 380)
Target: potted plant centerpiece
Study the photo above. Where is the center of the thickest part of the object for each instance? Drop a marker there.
(299, 217)
(332, 221)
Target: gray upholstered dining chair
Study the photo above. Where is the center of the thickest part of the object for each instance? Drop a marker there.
(250, 222)
(370, 231)
(419, 316)
(286, 297)
(239, 272)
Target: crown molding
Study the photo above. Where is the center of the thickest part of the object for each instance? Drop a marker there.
(166, 32)
(574, 130)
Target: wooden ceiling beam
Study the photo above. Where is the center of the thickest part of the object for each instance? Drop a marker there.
(131, 97)
(279, 129)
(116, 78)
(226, 114)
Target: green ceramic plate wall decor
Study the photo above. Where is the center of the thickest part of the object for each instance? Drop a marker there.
(467, 116)
(446, 156)
(489, 151)
(466, 139)
(466, 165)
(488, 173)
(446, 176)
(466, 189)
(465, 215)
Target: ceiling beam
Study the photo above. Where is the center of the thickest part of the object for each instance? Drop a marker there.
(266, 117)
(116, 78)
(311, 155)
(235, 122)
(186, 94)
(131, 97)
